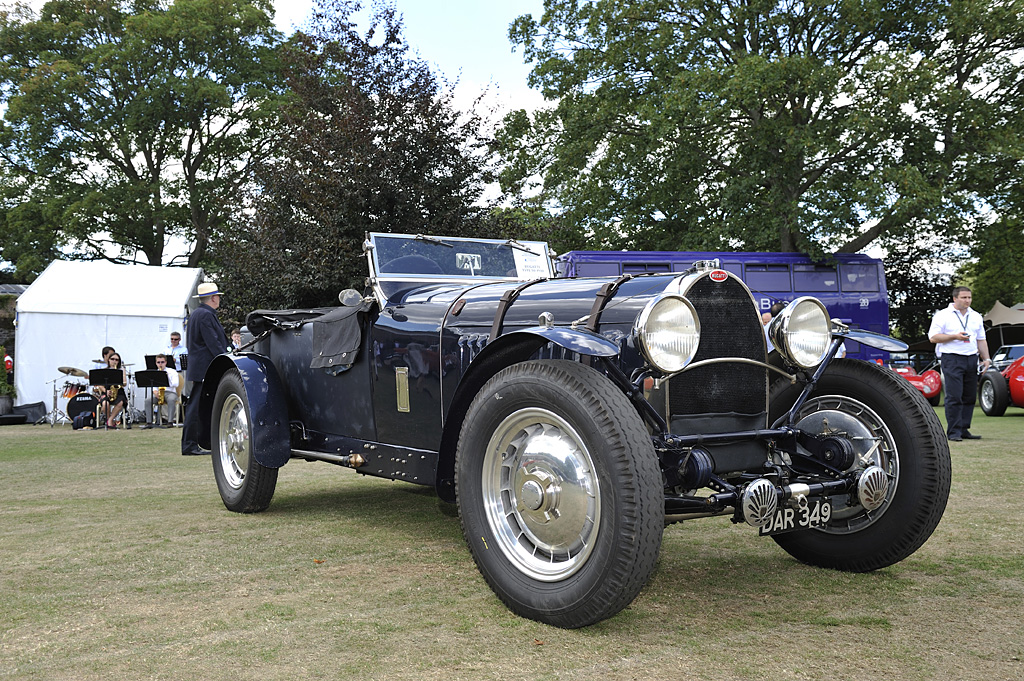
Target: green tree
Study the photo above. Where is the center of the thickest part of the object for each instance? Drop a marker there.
(130, 123)
(919, 283)
(370, 141)
(997, 273)
(815, 126)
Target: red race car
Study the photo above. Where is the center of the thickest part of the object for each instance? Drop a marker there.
(998, 390)
(929, 381)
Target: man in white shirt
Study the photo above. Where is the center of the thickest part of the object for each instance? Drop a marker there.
(170, 393)
(174, 351)
(959, 336)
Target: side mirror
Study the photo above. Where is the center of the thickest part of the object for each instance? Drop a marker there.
(350, 297)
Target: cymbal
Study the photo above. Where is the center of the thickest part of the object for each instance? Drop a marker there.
(72, 371)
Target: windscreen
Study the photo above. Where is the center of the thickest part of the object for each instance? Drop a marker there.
(423, 257)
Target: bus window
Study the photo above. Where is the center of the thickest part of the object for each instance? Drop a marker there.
(768, 277)
(859, 277)
(633, 267)
(597, 269)
(815, 278)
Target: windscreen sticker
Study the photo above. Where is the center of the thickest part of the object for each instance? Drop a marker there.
(530, 265)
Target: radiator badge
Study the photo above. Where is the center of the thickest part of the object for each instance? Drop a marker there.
(719, 275)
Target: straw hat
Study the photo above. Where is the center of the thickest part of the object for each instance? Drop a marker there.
(207, 289)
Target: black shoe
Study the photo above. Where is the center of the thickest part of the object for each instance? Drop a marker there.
(955, 438)
(971, 436)
(194, 452)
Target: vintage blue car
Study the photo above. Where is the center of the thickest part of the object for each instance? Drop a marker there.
(571, 420)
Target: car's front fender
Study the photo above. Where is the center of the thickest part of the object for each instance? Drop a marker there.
(268, 406)
(516, 346)
(577, 340)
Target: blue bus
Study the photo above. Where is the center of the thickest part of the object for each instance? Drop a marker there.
(851, 285)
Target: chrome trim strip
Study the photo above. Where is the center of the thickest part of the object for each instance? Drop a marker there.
(737, 360)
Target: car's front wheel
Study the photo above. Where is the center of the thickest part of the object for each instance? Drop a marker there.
(559, 493)
(993, 393)
(890, 426)
(245, 485)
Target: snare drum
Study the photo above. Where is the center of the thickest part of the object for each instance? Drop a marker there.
(80, 404)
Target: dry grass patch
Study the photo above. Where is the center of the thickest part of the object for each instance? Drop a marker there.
(118, 560)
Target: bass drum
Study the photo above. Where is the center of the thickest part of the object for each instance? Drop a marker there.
(80, 404)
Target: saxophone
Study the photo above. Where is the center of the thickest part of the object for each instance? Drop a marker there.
(161, 399)
(112, 393)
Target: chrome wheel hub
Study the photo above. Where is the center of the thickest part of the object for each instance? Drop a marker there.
(541, 494)
(988, 394)
(233, 441)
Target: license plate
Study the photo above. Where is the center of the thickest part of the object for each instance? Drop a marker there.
(787, 518)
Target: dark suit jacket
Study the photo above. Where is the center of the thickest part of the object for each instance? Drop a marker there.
(206, 340)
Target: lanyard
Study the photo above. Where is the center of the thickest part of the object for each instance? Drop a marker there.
(963, 322)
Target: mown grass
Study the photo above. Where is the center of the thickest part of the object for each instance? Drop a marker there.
(118, 560)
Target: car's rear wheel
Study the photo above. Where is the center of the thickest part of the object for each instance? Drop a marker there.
(245, 486)
(559, 493)
(890, 426)
(993, 393)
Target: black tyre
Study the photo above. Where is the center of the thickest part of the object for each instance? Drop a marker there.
(559, 493)
(891, 425)
(935, 400)
(244, 485)
(993, 393)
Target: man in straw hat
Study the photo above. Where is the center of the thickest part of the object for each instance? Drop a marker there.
(206, 340)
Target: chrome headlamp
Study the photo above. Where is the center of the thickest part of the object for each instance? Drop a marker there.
(668, 333)
(802, 332)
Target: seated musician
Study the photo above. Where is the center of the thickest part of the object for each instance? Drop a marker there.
(113, 398)
(165, 398)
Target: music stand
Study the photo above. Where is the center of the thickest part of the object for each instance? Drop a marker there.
(150, 363)
(150, 380)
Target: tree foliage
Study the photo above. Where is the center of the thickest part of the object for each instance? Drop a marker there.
(997, 273)
(919, 284)
(370, 141)
(820, 125)
(129, 123)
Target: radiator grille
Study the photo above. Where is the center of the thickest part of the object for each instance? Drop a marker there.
(729, 327)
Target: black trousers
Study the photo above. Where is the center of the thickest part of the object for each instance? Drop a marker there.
(190, 430)
(960, 374)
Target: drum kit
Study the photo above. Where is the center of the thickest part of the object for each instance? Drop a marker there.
(79, 399)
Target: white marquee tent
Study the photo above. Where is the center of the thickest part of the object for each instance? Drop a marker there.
(75, 308)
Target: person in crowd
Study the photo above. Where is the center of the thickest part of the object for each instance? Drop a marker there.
(959, 336)
(236, 339)
(113, 398)
(102, 362)
(174, 352)
(170, 393)
(206, 340)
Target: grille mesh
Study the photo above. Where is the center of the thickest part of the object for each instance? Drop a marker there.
(729, 327)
